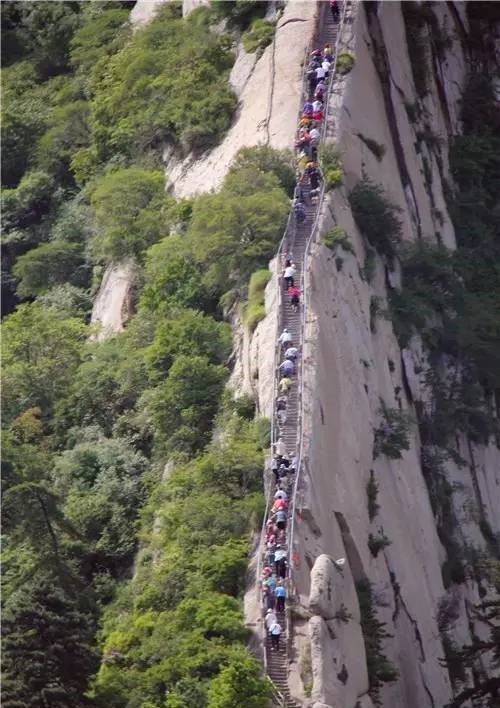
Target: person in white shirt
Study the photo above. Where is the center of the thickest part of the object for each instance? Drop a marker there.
(285, 337)
(275, 631)
(317, 106)
(288, 275)
(270, 619)
(314, 133)
(280, 494)
(280, 448)
(326, 67)
(291, 353)
(320, 73)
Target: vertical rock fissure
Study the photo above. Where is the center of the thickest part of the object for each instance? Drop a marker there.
(381, 63)
(400, 602)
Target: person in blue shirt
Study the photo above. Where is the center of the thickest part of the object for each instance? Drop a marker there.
(280, 595)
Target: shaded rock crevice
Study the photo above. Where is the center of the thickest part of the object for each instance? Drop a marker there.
(382, 66)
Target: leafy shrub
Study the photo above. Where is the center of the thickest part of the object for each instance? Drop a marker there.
(263, 428)
(380, 669)
(345, 63)
(369, 266)
(30, 200)
(43, 31)
(25, 108)
(377, 543)
(259, 35)
(253, 313)
(429, 297)
(173, 278)
(262, 157)
(331, 167)
(240, 12)
(100, 481)
(67, 298)
(258, 282)
(392, 436)
(375, 311)
(239, 679)
(68, 131)
(376, 148)
(254, 309)
(376, 217)
(104, 32)
(337, 237)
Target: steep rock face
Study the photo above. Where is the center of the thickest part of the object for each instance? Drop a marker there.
(144, 11)
(354, 361)
(269, 94)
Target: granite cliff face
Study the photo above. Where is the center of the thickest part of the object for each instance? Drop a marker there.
(354, 364)
(353, 361)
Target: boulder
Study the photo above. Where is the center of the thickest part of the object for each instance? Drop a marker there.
(324, 683)
(321, 595)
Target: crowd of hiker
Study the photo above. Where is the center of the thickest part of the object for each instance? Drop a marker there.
(284, 463)
(308, 186)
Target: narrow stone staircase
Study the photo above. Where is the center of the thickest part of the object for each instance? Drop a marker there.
(295, 242)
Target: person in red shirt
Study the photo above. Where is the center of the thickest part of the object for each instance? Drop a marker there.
(294, 296)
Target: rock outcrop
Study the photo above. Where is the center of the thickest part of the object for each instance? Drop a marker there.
(113, 301)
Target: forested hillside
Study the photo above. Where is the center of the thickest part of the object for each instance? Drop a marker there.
(89, 426)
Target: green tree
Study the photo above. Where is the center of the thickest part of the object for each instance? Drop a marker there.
(173, 278)
(42, 30)
(376, 217)
(48, 652)
(102, 33)
(129, 206)
(234, 231)
(242, 677)
(50, 264)
(188, 333)
(29, 201)
(68, 132)
(41, 352)
(100, 481)
(185, 404)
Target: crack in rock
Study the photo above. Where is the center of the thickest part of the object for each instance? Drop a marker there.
(292, 19)
(400, 602)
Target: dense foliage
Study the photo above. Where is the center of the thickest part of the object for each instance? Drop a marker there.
(88, 426)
